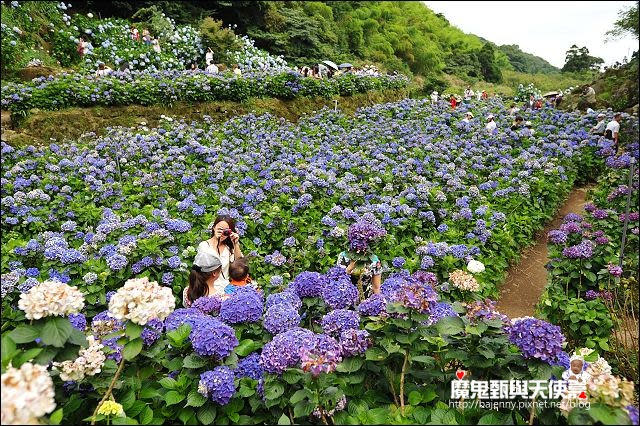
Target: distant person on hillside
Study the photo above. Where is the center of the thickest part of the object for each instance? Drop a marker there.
(558, 101)
(146, 37)
(236, 70)
(208, 56)
(484, 95)
(103, 70)
(124, 67)
(529, 104)
(538, 104)
(194, 67)
(600, 126)
(479, 95)
(212, 68)
(156, 45)
(588, 98)
(467, 117)
(468, 94)
(513, 109)
(453, 102)
(491, 124)
(613, 129)
(135, 35)
(434, 97)
(517, 123)
(82, 47)
(528, 129)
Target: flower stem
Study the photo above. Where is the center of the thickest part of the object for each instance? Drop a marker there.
(109, 390)
(402, 373)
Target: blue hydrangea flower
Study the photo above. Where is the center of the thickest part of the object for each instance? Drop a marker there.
(218, 384)
(183, 316)
(283, 351)
(211, 337)
(249, 367)
(536, 338)
(280, 318)
(244, 305)
(78, 321)
(354, 342)
(307, 284)
(288, 297)
(208, 304)
(340, 320)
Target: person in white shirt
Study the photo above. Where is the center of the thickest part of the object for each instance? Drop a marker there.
(613, 129)
(236, 70)
(212, 68)
(434, 97)
(468, 94)
(209, 56)
(155, 45)
(478, 95)
(103, 70)
(491, 125)
(467, 117)
(600, 126)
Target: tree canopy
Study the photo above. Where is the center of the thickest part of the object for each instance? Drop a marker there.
(578, 59)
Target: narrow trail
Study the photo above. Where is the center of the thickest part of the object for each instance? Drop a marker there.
(526, 280)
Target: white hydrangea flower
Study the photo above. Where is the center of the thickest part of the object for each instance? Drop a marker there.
(51, 298)
(27, 394)
(141, 300)
(475, 267)
(89, 362)
(601, 366)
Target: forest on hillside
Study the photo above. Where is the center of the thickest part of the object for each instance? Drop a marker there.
(403, 36)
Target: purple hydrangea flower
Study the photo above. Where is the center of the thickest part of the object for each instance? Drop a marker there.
(439, 310)
(398, 262)
(632, 411)
(340, 320)
(249, 367)
(244, 305)
(152, 332)
(591, 295)
(78, 321)
(364, 232)
(354, 342)
(283, 351)
(374, 305)
(280, 318)
(183, 316)
(218, 384)
(286, 297)
(557, 236)
(485, 309)
(584, 250)
(307, 284)
(338, 291)
(208, 304)
(615, 270)
(536, 338)
(211, 337)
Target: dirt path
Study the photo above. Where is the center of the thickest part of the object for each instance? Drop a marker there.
(525, 281)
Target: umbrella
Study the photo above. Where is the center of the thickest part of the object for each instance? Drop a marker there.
(550, 94)
(345, 65)
(331, 64)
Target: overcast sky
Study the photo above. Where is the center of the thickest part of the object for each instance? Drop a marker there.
(543, 28)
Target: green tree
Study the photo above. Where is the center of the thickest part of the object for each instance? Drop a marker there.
(578, 59)
(488, 65)
(627, 23)
(218, 38)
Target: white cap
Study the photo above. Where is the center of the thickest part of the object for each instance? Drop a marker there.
(528, 123)
(490, 116)
(469, 114)
(207, 262)
(601, 115)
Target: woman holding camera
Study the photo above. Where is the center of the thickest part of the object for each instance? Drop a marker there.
(225, 245)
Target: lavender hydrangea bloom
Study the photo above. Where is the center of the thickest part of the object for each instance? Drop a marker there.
(340, 320)
(536, 338)
(354, 342)
(280, 318)
(114, 348)
(557, 236)
(374, 305)
(632, 411)
(245, 305)
(78, 321)
(584, 250)
(284, 350)
(307, 284)
(152, 332)
(211, 337)
(287, 297)
(249, 367)
(364, 232)
(208, 304)
(183, 316)
(339, 292)
(218, 384)
(398, 262)
(591, 295)
(439, 310)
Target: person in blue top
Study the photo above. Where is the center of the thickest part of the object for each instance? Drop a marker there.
(370, 272)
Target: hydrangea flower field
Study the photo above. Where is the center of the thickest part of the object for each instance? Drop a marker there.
(98, 236)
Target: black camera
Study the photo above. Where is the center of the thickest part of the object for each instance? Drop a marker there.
(227, 232)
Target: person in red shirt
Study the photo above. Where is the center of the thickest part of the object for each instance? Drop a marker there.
(453, 102)
(484, 96)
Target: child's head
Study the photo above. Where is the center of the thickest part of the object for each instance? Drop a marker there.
(239, 269)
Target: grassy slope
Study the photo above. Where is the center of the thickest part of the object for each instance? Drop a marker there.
(70, 123)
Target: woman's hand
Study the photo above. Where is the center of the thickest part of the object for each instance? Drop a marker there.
(234, 237)
(351, 266)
